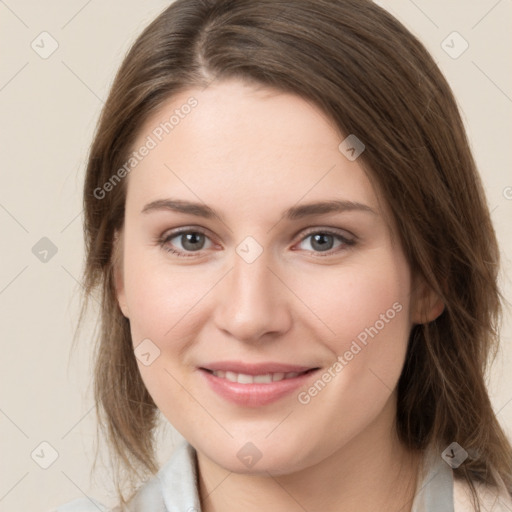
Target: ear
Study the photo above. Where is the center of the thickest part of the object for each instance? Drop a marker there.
(117, 268)
(426, 304)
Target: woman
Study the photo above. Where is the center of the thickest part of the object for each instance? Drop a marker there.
(297, 266)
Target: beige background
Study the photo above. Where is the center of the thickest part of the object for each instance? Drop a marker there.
(49, 108)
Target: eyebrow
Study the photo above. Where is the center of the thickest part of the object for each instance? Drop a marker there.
(293, 213)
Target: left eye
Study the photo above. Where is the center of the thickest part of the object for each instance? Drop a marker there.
(323, 241)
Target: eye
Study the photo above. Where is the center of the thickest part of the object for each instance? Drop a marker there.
(191, 242)
(184, 243)
(323, 241)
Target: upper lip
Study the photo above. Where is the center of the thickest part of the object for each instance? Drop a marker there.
(255, 368)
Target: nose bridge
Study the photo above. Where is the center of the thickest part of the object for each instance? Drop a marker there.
(251, 303)
(252, 280)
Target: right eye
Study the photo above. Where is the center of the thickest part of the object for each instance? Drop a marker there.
(189, 242)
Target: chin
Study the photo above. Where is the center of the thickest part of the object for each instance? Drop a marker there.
(259, 457)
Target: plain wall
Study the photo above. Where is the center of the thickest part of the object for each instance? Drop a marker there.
(49, 107)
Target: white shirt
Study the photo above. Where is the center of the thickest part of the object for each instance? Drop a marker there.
(175, 489)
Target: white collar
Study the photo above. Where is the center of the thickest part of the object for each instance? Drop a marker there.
(434, 490)
(175, 487)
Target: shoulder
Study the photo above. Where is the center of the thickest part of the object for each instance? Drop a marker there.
(149, 497)
(491, 499)
(174, 487)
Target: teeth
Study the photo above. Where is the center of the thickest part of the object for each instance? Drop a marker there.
(230, 376)
(243, 378)
(262, 379)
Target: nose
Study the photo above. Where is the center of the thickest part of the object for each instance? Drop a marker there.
(252, 303)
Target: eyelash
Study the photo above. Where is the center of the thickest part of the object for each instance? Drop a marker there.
(164, 240)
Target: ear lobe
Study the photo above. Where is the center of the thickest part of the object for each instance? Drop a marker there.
(427, 304)
(117, 270)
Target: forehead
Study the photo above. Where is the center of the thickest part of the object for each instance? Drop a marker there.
(247, 145)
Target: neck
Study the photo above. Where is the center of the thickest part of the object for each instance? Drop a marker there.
(374, 471)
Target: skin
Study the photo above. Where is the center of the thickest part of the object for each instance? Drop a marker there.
(249, 154)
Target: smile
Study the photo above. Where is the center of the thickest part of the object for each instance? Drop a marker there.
(267, 378)
(258, 386)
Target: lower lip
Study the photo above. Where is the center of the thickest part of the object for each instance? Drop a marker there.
(257, 394)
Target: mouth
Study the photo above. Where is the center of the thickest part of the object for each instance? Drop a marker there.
(263, 378)
(255, 385)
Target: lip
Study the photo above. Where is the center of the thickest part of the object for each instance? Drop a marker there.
(255, 394)
(254, 368)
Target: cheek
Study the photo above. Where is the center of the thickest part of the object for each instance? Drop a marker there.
(373, 291)
(159, 295)
(372, 326)
(161, 304)
(366, 307)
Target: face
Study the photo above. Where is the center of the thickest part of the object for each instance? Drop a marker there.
(269, 300)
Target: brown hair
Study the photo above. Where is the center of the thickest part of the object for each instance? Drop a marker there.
(373, 79)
